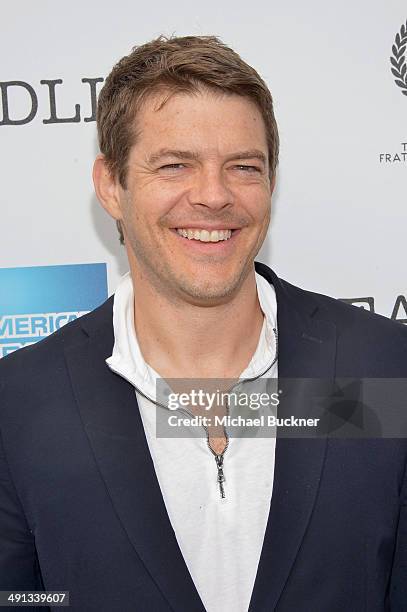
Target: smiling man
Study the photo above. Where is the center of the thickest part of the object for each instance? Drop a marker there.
(92, 499)
(194, 210)
(211, 190)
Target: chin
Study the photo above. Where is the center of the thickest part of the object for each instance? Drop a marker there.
(209, 289)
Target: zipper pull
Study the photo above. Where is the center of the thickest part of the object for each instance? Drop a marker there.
(221, 476)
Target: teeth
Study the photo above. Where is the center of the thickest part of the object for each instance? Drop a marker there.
(205, 236)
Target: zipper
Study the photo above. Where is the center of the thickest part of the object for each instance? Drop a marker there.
(219, 457)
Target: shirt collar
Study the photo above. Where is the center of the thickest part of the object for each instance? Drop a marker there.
(128, 361)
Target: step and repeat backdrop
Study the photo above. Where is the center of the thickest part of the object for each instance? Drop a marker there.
(338, 75)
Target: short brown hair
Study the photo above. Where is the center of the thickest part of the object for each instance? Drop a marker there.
(175, 64)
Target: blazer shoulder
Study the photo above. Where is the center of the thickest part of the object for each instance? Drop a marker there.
(44, 356)
(339, 312)
(345, 315)
(356, 318)
(376, 343)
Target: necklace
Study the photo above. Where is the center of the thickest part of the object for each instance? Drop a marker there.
(219, 457)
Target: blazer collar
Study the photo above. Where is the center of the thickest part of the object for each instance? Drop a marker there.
(112, 421)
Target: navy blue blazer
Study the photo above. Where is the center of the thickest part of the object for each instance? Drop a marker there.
(80, 505)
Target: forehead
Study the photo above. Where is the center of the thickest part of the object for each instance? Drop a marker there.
(204, 118)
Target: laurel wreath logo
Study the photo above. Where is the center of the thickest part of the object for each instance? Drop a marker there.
(398, 59)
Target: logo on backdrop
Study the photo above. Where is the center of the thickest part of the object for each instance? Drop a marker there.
(395, 157)
(25, 94)
(36, 301)
(398, 59)
(399, 312)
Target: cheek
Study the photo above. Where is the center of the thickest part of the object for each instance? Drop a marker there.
(154, 203)
(260, 206)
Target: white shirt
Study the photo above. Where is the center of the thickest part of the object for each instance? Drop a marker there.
(220, 539)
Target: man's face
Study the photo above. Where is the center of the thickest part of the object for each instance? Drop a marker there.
(196, 207)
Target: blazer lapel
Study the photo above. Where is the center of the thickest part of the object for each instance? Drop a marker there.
(112, 421)
(306, 350)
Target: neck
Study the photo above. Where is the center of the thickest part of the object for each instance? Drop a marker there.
(183, 340)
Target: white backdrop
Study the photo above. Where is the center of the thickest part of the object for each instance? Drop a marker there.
(340, 213)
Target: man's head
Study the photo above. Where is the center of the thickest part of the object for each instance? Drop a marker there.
(188, 141)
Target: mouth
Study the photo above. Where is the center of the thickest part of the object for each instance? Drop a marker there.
(204, 235)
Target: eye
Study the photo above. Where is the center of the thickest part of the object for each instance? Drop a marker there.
(172, 167)
(249, 169)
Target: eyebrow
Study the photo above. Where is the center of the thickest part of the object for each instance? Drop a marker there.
(178, 154)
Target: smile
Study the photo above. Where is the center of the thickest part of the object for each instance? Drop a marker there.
(204, 235)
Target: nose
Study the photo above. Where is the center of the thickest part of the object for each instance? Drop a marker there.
(210, 189)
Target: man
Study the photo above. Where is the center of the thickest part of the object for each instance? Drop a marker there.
(92, 499)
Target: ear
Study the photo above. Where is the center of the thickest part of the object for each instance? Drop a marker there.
(107, 188)
(273, 182)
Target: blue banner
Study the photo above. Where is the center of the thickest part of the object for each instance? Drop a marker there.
(36, 301)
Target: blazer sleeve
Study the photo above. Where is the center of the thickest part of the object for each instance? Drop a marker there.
(19, 567)
(398, 585)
